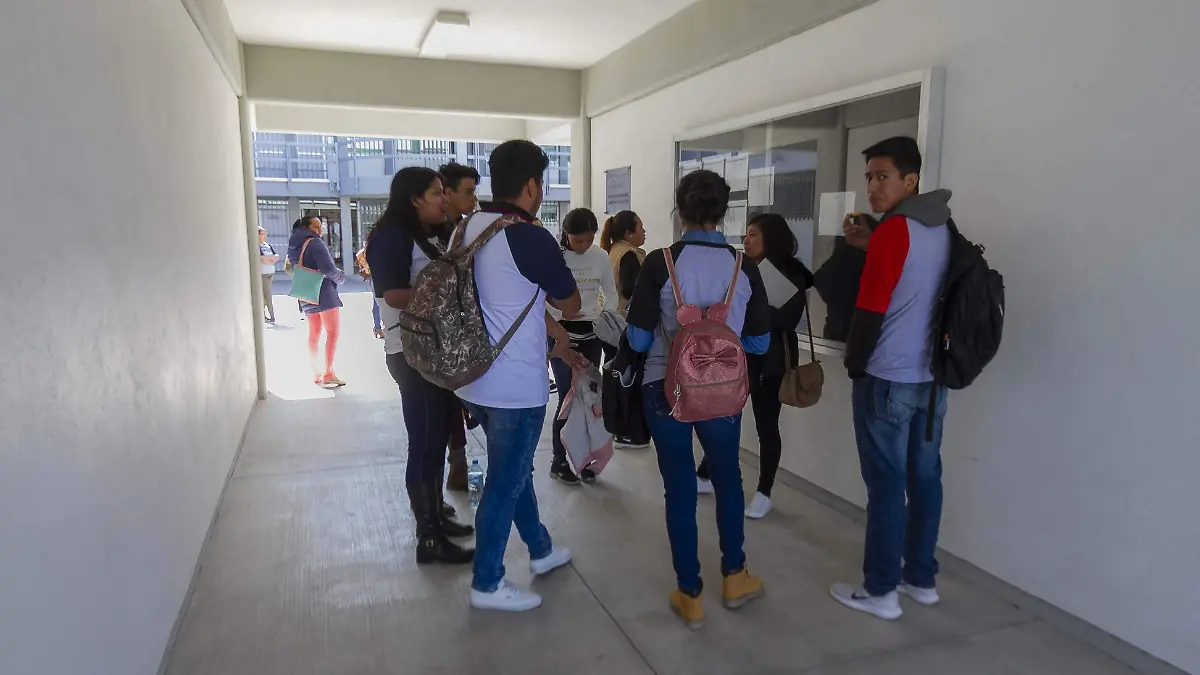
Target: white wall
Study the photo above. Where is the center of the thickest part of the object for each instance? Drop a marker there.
(128, 373)
(1070, 140)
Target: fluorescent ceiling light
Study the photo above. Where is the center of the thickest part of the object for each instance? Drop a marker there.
(447, 30)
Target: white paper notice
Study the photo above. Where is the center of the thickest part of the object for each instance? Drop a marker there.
(779, 288)
(834, 207)
(735, 220)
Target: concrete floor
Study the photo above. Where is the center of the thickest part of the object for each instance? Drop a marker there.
(310, 569)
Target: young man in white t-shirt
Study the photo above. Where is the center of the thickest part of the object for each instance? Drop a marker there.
(522, 263)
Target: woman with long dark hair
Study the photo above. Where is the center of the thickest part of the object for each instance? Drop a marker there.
(307, 249)
(769, 240)
(597, 291)
(706, 269)
(622, 239)
(399, 245)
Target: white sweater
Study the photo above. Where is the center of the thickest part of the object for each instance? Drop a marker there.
(594, 276)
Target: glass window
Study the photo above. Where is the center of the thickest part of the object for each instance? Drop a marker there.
(787, 165)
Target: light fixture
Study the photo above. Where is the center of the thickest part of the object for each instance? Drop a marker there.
(447, 30)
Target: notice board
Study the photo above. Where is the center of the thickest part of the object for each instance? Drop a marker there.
(616, 190)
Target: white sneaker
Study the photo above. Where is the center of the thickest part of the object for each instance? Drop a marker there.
(885, 607)
(557, 558)
(506, 598)
(923, 596)
(703, 487)
(759, 506)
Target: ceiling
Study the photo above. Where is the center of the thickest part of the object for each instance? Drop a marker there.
(557, 33)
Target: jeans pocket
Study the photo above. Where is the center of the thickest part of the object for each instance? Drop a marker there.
(655, 397)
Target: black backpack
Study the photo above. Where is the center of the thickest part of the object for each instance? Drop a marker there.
(970, 317)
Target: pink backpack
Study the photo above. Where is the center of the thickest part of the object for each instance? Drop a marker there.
(706, 370)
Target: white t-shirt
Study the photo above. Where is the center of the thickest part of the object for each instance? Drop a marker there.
(520, 264)
(594, 276)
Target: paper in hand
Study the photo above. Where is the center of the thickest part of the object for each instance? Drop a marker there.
(780, 289)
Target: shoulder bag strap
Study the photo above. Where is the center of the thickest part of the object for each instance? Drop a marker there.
(737, 269)
(303, 248)
(812, 349)
(671, 275)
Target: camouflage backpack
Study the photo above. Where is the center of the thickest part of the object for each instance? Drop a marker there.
(443, 333)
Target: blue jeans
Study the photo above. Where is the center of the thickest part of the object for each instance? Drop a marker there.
(508, 497)
(903, 474)
(375, 314)
(720, 439)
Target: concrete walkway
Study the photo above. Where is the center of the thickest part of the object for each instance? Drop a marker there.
(310, 568)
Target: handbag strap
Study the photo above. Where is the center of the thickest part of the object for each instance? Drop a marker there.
(812, 349)
(303, 248)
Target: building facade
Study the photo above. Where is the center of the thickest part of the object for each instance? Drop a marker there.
(344, 180)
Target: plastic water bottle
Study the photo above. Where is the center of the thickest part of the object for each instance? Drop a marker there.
(475, 483)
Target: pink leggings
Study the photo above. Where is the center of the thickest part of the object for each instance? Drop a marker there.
(331, 319)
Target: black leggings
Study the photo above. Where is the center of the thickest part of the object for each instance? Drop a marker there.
(563, 377)
(764, 399)
(428, 413)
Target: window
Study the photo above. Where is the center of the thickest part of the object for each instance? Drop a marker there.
(559, 171)
(799, 158)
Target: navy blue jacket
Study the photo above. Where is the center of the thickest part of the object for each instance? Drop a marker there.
(317, 257)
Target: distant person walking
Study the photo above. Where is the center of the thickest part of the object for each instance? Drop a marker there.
(364, 271)
(267, 258)
(326, 314)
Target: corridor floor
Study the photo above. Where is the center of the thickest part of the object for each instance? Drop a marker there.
(310, 569)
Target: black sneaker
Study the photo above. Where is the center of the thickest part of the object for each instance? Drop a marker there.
(587, 476)
(564, 475)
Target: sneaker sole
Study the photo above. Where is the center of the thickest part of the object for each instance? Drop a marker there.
(756, 516)
(564, 481)
(507, 608)
(917, 600)
(548, 570)
(738, 603)
(864, 610)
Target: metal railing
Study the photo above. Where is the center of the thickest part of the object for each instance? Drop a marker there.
(299, 157)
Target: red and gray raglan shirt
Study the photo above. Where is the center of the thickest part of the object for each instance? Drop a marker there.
(891, 335)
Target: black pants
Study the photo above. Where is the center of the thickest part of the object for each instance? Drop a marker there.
(428, 412)
(563, 377)
(764, 399)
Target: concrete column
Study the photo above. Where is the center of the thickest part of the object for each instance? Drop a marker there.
(347, 237)
(246, 113)
(581, 165)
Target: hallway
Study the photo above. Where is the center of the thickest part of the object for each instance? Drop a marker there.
(310, 567)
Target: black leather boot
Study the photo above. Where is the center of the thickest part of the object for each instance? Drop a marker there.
(432, 544)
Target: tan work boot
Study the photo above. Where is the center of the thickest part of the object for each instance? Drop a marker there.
(456, 480)
(688, 608)
(740, 588)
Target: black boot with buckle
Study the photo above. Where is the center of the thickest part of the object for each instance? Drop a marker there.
(433, 546)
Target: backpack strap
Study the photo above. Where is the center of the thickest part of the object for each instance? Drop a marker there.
(473, 248)
(671, 275)
(512, 330)
(737, 269)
